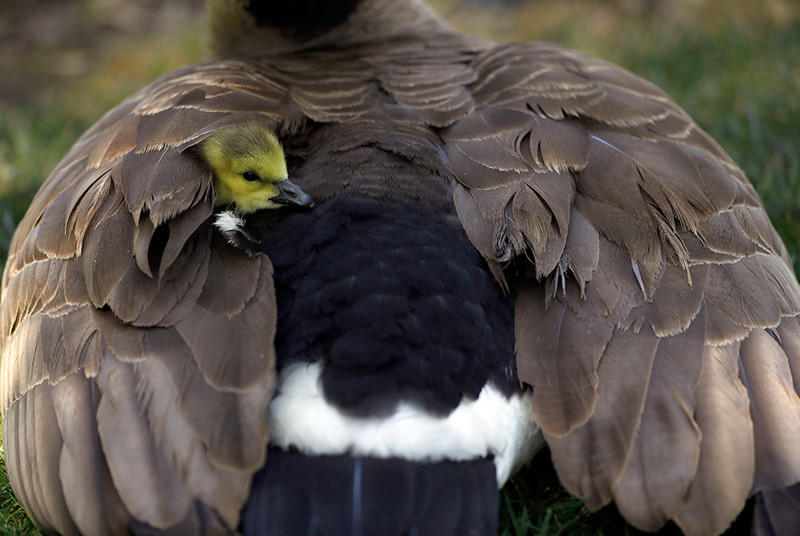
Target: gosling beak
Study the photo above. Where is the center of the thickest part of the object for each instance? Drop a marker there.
(291, 194)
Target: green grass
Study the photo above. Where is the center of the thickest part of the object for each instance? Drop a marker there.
(737, 75)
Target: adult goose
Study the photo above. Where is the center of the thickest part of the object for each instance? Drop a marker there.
(506, 240)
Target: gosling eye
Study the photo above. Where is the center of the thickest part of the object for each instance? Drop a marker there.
(249, 176)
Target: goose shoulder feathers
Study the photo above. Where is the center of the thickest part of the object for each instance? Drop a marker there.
(655, 306)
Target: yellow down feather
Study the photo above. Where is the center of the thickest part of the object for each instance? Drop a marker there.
(248, 162)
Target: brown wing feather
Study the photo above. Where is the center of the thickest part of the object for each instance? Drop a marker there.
(564, 351)
(143, 476)
(775, 411)
(669, 261)
(590, 458)
(35, 442)
(118, 289)
(90, 494)
(719, 490)
(667, 436)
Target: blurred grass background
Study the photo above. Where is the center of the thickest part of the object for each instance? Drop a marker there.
(733, 64)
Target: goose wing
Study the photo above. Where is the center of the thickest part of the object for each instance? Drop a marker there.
(656, 312)
(135, 340)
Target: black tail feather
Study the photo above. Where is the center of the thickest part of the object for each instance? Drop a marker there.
(295, 494)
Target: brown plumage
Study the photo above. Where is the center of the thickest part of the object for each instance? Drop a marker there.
(656, 308)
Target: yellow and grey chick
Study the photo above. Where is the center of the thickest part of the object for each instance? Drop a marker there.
(249, 169)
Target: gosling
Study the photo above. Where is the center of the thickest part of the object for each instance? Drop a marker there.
(249, 168)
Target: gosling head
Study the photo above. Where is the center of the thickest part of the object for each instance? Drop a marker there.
(249, 170)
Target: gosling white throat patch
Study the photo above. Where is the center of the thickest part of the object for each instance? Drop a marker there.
(232, 226)
(229, 222)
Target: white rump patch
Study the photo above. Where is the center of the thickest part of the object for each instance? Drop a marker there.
(300, 417)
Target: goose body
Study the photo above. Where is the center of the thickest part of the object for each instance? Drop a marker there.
(517, 223)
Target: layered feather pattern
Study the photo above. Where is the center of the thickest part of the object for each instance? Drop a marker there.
(656, 311)
(640, 326)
